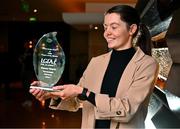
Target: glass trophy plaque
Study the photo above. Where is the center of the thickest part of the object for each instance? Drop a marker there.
(48, 61)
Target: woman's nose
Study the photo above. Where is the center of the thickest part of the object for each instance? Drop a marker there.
(108, 32)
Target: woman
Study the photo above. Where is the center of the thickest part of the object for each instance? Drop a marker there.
(116, 86)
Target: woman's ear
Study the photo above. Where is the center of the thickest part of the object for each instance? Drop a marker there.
(133, 29)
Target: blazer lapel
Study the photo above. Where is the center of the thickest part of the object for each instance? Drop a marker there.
(128, 74)
(126, 79)
(103, 64)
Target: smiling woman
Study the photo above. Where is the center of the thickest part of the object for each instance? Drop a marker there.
(115, 87)
(116, 33)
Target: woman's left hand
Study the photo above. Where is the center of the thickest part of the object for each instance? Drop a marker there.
(67, 91)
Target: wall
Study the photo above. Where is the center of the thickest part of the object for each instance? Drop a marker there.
(84, 44)
(3, 37)
(78, 53)
(96, 43)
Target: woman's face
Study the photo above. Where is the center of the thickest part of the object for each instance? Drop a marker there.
(116, 32)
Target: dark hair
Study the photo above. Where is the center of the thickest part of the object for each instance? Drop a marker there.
(130, 16)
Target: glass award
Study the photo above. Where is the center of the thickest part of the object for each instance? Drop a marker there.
(48, 61)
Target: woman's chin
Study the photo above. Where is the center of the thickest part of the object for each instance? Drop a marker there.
(110, 46)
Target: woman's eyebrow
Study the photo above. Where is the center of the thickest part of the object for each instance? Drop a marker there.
(114, 23)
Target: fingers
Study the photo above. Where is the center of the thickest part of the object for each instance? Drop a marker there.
(38, 83)
(34, 91)
(62, 91)
(62, 87)
(60, 94)
(65, 91)
(35, 83)
(38, 94)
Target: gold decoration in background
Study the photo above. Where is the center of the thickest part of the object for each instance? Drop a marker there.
(163, 57)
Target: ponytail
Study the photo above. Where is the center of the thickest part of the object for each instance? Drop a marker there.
(144, 39)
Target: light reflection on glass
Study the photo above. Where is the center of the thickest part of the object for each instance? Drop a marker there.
(160, 27)
(173, 101)
(153, 107)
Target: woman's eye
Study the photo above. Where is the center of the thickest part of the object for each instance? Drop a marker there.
(114, 27)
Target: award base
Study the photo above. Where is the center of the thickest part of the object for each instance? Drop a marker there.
(44, 88)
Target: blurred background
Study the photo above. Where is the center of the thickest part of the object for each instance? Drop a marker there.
(78, 24)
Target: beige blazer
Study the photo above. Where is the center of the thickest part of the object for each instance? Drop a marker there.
(128, 108)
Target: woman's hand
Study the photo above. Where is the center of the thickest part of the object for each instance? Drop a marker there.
(67, 91)
(38, 93)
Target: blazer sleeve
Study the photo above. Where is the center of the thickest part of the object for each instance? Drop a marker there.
(72, 104)
(124, 108)
(69, 105)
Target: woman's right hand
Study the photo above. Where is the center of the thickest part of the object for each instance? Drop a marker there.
(38, 93)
